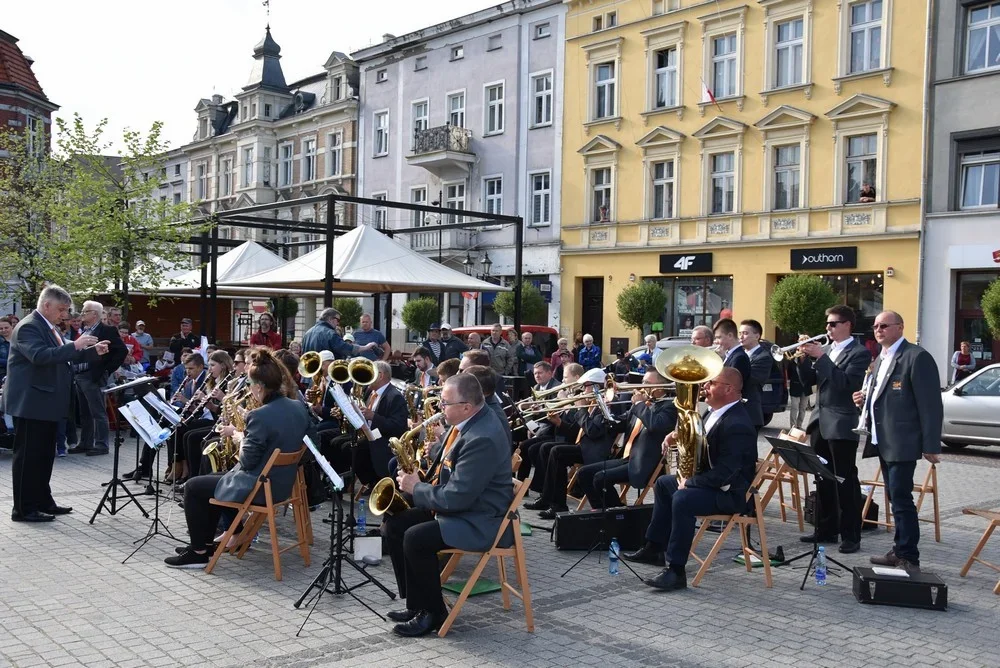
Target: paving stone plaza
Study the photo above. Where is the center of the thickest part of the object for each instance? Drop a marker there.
(67, 599)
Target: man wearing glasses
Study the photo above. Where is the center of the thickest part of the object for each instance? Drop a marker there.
(904, 419)
(837, 373)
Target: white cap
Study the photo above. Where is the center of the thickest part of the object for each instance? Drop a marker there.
(140, 322)
(445, 325)
(594, 376)
(349, 337)
(326, 356)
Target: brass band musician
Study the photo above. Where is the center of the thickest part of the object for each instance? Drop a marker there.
(535, 451)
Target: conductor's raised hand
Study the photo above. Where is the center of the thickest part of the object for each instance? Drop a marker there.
(85, 341)
(102, 347)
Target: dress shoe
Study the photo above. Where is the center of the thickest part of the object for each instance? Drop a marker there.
(849, 546)
(890, 559)
(650, 553)
(422, 623)
(33, 516)
(550, 514)
(401, 615)
(818, 538)
(540, 504)
(58, 510)
(668, 580)
(908, 566)
(79, 450)
(97, 452)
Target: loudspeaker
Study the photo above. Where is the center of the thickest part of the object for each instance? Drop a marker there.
(916, 590)
(578, 531)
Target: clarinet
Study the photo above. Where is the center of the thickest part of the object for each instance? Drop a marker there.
(185, 416)
(208, 397)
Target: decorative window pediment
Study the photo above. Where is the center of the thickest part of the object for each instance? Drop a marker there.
(720, 127)
(660, 136)
(785, 117)
(860, 106)
(599, 145)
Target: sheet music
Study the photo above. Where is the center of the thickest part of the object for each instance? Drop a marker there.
(163, 408)
(335, 480)
(143, 423)
(351, 413)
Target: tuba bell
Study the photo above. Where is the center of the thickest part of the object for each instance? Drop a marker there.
(385, 498)
(337, 372)
(689, 367)
(362, 371)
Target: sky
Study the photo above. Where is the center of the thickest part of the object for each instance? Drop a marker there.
(135, 61)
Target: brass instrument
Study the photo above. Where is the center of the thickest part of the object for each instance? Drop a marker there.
(337, 372)
(689, 367)
(223, 454)
(309, 366)
(866, 387)
(538, 394)
(385, 498)
(792, 351)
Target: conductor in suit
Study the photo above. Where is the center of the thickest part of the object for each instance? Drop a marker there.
(279, 424)
(838, 373)
(385, 409)
(37, 397)
(904, 419)
(92, 377)
(719, 489)
(463, 510)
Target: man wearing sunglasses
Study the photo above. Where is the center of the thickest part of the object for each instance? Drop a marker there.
(838, 373)
(904, 419)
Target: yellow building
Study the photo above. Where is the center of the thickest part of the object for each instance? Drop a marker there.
(809, 158)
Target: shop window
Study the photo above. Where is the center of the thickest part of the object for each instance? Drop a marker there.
(693, 301)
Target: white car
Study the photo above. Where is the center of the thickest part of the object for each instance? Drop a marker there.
(972, 410)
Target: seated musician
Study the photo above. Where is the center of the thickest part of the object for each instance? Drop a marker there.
(593, 444)
(426, 374)
(487, 380)
(649, 421)
(472, 494)
(535, 450)
(544, 380)
(385, 410)
(447, 369)
(220, 366)
(280, 423)
(719, 487)
(325, 410)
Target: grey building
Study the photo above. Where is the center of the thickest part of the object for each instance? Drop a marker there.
(963, 172)
(466, 113)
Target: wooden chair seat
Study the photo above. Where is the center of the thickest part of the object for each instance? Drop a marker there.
(744, 522)
(994, 521)
(928, 487)
(256, 515)
(501, 554)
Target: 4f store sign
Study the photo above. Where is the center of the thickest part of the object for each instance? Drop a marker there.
(686, 264)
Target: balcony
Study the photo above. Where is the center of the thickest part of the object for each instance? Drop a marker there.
(445, 151)
(451, 240)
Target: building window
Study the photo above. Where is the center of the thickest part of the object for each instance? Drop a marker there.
(381, 76)
(541, 198)
(201, 186)
(418, 111)
(253, 110)
(980, 179)
(666, 78)
(177, 170)
(788, 53)
(285, 153)
(542, 30)
(35, 130)
(226, 178)
(723, 183)
(248, 167)
(335, 153)
(418, 196)
(787, 163)
(493, 195)
(419, 63)
(308, 159)
(862, 163)
(456, 109)
(693, 301)
(381, 213)
(604, 98)
(598, 23)
(336, 91)
(455, 199)
(243, 112)
(203, 128)
(177, 198)
(457, 52)
(494, 110)
(381, 137)
(611, 20)
(601, 195)
(724, 66)
(541, 93)
(983, 38)
(494, 42)
(663, 189)
(866, 36)
(660, 7)
(266, 166)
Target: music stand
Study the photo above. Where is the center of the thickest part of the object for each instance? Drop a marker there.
(803, 458)
(112, 485)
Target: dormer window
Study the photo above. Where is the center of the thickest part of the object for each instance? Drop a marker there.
(336, 92)
(203, 130)
(267, 111)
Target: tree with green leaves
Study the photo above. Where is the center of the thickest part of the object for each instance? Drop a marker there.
(534, 310)
(990, 304)
(799, 302)
(420, 314)
(641, 304)
(350, 311)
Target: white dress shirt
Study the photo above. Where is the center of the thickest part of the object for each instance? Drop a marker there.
(716, 415)
(883, 369)
(838, 347)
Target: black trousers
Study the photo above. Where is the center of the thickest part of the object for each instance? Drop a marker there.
(593, 478)
(202, 517)
(561, 457)
(540, 458)
(844, 519)
(194, 441)
(529, 448)
(146, 461)
(336, 448)
(413, 538)
(31, 470)
(361, 463)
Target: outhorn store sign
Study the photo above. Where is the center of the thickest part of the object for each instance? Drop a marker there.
(843, 257)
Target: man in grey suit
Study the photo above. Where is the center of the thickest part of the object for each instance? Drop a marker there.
(838, 373)
(904, 419)
(470, 500)
(37, 396)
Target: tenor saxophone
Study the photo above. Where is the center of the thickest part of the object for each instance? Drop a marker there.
(385, 498)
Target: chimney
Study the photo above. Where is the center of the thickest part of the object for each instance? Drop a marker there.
(387, 36)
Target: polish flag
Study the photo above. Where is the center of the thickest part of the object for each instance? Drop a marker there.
(708, 92)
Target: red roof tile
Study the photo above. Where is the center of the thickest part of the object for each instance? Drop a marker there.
(15, 68)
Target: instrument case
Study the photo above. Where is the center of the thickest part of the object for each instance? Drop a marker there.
(919, 590)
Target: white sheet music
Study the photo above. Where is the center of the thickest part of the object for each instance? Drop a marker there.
(336, 480)
(143, 423)
(351, 413)
(163, 408)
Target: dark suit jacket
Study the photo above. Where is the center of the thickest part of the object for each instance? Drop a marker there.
(475, 489)
(390, 418)
(658, 420)
(906, 410)
(107, 364)
(760, 372)
(836, 415)
(493, 403)
(280, 424)
(731, 458)
(595, 446)
(39, 375)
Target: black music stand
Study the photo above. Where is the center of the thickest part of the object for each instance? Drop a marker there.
(112, 486)
(803, 458)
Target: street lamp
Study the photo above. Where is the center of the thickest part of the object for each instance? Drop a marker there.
(468, 264)
(487, 263)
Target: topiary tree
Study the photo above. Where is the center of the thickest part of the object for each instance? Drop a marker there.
(799, 302)
(641, 304)
(534, 310)
(350, 311)
(990, 303)
(420, 314)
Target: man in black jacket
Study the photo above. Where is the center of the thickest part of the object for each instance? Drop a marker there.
(91, 377)
(761, 364)
(720, 489)
(385, 409)
(185, 339)
(733, 355)
(838, 373)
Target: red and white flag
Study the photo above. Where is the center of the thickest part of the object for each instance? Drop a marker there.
(708, 92)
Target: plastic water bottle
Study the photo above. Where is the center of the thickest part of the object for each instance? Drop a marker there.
(162, 435)
(362, 526)
(821, 566)
(613, 552)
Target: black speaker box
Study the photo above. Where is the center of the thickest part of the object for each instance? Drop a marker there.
(578, 531)
(919, 590)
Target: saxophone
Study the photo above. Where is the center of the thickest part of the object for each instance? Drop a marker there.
(224, 453)
(385, 498)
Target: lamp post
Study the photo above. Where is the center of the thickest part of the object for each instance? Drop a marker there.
(470, 270)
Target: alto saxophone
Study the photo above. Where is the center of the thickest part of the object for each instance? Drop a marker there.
(385, 498)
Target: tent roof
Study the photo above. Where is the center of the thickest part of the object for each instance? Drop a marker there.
(368, 261)
(247, 259)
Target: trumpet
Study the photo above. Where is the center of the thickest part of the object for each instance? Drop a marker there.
(791, 352)
(538, 394)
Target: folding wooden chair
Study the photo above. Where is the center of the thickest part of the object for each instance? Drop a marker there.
(660, 469)
(501, 554)
(256, 515)
(774, 470)
(928, 487)
(994, 518)
(744, 522)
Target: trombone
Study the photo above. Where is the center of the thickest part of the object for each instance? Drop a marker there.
(538, 394)
(791, 352)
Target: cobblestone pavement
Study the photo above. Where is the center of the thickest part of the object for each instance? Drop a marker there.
(68, 600)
